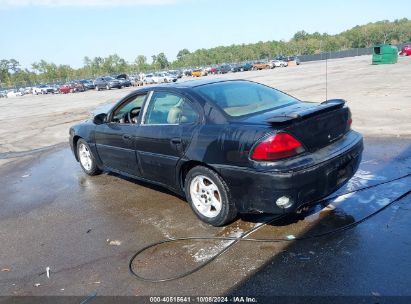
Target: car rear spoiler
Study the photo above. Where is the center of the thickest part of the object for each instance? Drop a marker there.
(322, 107)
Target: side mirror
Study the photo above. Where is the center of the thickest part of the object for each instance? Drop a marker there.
(100, 118)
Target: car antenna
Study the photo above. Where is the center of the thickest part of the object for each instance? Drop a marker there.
(326, 76)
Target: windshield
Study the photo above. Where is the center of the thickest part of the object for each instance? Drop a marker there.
(240, 98)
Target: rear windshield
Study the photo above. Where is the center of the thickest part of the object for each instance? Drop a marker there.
(240, 98)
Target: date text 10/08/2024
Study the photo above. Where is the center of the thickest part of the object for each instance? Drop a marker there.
(197, 299)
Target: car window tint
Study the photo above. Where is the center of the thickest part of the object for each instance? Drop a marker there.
(168, 108)
(135, 102)
(239, 98)
(187, 114)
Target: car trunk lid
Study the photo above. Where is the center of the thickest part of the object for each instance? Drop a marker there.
(318, 125)
(315, 125)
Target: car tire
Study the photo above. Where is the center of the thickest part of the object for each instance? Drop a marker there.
(209, 196)
(86, 158)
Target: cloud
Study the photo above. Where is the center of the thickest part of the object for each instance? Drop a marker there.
(81, 3)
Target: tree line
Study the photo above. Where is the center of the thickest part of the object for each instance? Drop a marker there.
(302, 43)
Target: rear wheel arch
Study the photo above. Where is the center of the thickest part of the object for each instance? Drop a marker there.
(187, 166)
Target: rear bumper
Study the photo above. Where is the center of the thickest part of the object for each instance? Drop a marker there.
(257, 191)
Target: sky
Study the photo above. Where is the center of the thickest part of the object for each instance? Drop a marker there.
(64, 31)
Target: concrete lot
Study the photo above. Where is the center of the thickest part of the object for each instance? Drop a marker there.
(53, 215)
(379, 97)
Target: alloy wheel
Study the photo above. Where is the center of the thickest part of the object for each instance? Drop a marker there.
(205, 196)
(85, 157)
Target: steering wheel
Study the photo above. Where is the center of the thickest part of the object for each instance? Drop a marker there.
(132, 115)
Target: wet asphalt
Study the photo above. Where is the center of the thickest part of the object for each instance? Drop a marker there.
(86, 229)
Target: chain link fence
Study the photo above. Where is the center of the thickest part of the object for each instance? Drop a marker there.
(303, 58)
(342, 54)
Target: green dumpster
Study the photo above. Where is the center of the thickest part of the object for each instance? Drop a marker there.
(384, 53)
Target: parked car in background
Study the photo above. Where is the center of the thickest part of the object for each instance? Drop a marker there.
(214, 69)
(65, 89)
(176, 73)
(281, 57)
(198, 73)
(294, 59)
(13, 93)
(149, 79)
(236, 68)
(88, 84)
(76, 86)
(246, 66)
(157, 78)
(166, 77)
(224, 69)
(36, 90)
(43, 89)
(107, 83)
(229, 146)
(187, 72)
(124, 80)
(261, 65)
(279, 63)
(136, 81)
(27, 90)
(3, 94)
(56, 88)
(406, 50)
(161, 77)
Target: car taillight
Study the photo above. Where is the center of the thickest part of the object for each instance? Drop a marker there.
(278, 146)
(349, 120)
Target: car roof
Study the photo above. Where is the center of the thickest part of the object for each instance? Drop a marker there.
(188, 84)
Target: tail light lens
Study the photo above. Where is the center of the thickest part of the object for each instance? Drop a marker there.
(349, 120)
(281, 145)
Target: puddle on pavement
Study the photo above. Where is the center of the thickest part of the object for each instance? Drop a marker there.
(57, 177)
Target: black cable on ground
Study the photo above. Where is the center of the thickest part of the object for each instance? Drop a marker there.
(243, 238)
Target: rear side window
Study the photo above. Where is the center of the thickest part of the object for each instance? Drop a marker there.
(168, 108)
(240, 98)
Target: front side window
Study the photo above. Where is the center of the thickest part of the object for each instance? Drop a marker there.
(168, 108)
(132, 107)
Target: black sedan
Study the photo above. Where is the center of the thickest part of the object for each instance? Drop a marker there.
(88, 84)
(228, 146)
(124, 80)
(241, 67)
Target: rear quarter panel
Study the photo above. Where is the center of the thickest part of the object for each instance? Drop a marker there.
(225, 144)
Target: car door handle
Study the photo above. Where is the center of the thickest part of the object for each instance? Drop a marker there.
(127, 137)
(176, 141)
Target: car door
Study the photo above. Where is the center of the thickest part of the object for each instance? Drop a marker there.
(164, 135)
(115, 139)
